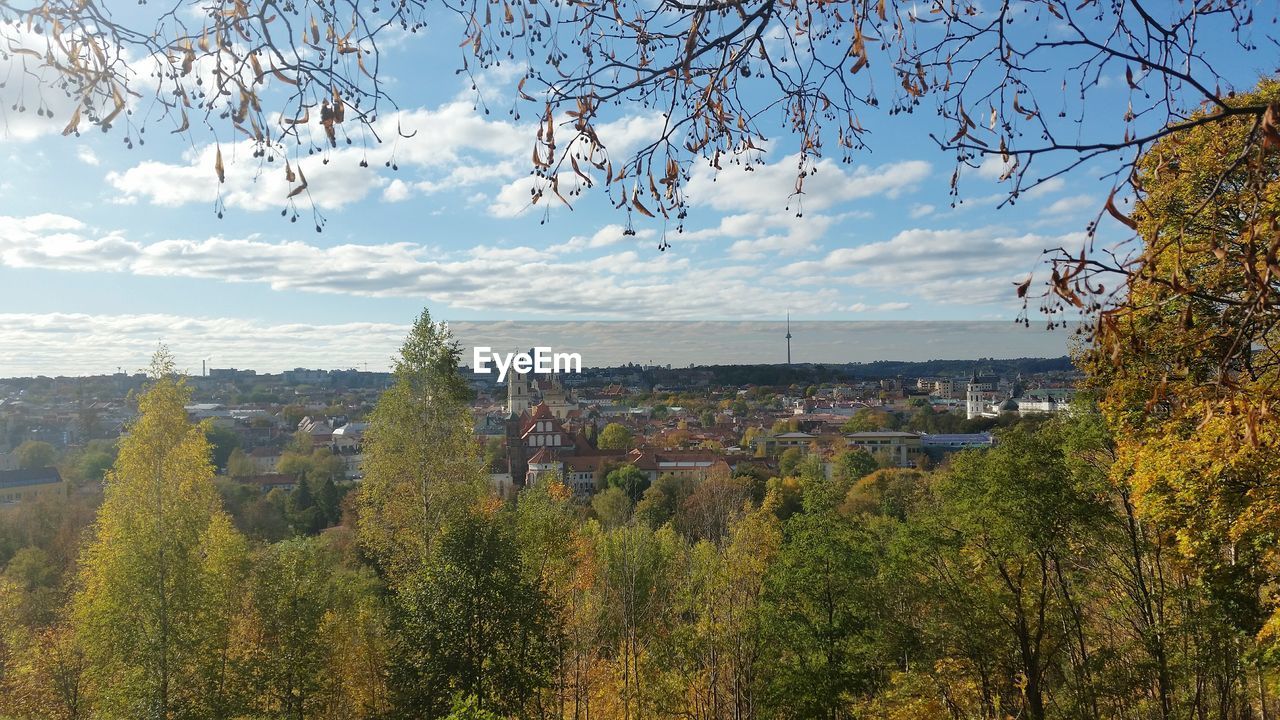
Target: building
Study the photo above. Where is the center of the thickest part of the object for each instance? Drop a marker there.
(18, 486)
(687, 465)
(266, 482)
(519, 393)
(319, 429)
(524, 392)
(265, 459)
(1044, 402)
(979, 404)
(957, 441)
(783, 441)
(901, 447)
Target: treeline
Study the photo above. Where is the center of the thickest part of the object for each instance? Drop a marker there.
(1019, 582)
(818, 373)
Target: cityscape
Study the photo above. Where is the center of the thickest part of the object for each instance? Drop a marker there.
(694, 419)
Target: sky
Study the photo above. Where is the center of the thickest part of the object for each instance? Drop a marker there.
(108, 247)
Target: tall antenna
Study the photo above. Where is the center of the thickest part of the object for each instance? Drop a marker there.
(788, 337)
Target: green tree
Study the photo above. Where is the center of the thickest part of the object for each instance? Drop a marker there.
(421, 462)
(612, 507)
(662, 500)
(160, 576)
(222, 441)
(630, 479)
(818, 610)
(239, 464)
(614, 436)
(789, 460)
(35, 454)
(471, 621)
(305, 516)
(849, 466)
(870, 420)
(292, 590)
(292, 415)
(90, 463)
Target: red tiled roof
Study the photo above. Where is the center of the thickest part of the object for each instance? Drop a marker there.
(270, 479)
(542, 457)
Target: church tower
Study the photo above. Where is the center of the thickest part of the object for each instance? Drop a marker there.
(519, 397)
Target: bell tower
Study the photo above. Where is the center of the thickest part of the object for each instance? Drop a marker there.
(518, 393)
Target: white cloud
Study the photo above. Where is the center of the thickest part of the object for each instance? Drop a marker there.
(994, 167)
(881, 307)
(919, 211)
(419, 140)
(771, 187)
(1072, 204)
(397, 191)
(972, 266)
(1047, 187)
(606, 236)
(521, 280)
(85, 154)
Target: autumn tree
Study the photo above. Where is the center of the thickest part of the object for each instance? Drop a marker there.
(1186, 369)
(160, 577)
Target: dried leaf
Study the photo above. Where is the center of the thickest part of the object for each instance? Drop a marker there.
(1115, 212)
(298, 190)
(74, 122)
(1024, 286)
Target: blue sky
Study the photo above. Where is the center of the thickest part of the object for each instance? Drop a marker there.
(120, 248)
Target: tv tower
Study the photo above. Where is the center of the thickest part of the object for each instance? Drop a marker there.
(788, 337)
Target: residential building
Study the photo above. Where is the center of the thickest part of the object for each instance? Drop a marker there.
(17, 486)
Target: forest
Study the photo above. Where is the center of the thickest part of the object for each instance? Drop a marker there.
(1021, 581)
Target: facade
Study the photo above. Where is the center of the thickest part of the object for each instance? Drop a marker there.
(265, 459)
(1044, 402)
(899, 446)
(524, 392)
(685, 465)
(18, 486)
(957, 441)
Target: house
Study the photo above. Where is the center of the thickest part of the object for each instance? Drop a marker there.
(17, 486)
(321, 432)
(265, 459)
